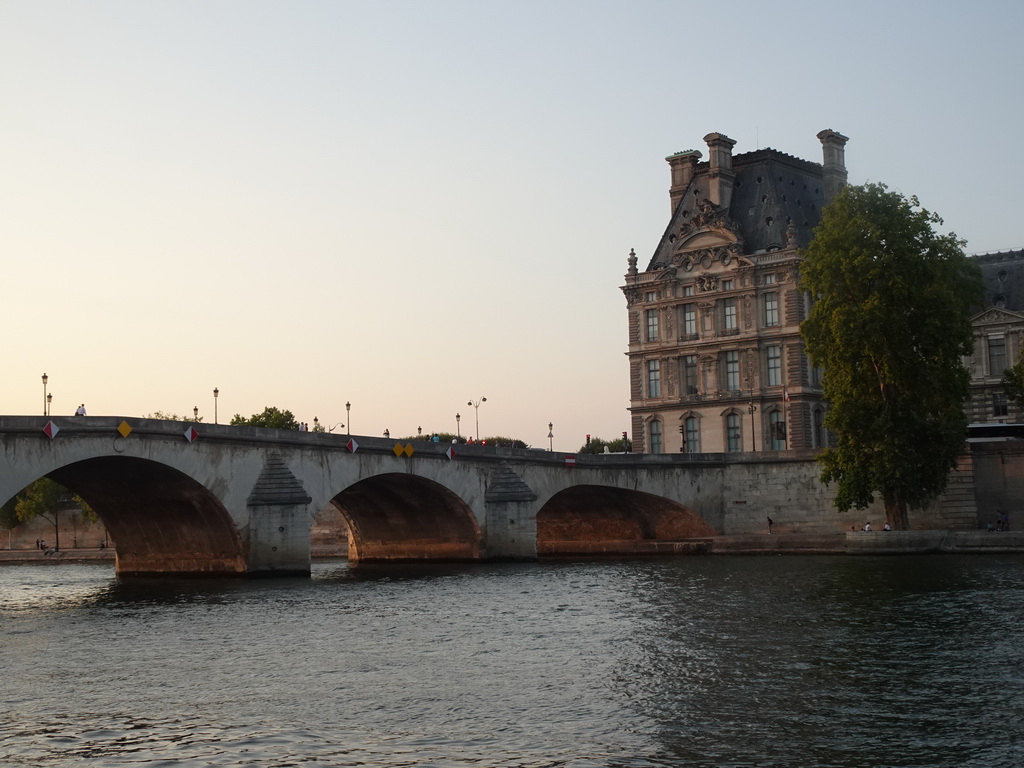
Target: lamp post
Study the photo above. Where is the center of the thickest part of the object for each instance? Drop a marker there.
(195, 412)
(419, 431)
(476, 405)
(387, 433)
(458, 431)
(45, 379)
(348, 417)
(551, 437)
(49, 400)
(316, 424)
(216, 394)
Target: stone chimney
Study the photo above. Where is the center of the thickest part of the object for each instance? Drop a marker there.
(721, 175)
(833, 147)
(683, 165)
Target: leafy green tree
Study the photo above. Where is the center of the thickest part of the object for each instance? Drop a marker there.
(889, 324)
(1013, 383)
(165, 416)
(271, 417)
(9, 518)
(47, 499)
(597, 445)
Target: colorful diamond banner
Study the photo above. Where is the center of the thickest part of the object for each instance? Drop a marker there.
(352, 446)
(124, 428)
(51, 430)
(191, 434)
(450, 453)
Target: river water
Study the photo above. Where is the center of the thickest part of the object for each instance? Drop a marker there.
(699, 661)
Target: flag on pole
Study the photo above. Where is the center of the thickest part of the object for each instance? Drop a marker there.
(785, 394)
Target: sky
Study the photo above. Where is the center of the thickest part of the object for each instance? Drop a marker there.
(409, 206)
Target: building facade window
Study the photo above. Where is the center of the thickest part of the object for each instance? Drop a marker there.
(771, 309)
(690, 319)
(654, 378)
(733, 436)
(776, 431)
(691, 431)
(729, 314)
(1000, 405)
(996, 355)
(650, 296)
(774, 366)
(732, 371)
(655, 432)
(819, 428)
(652, 325)
(727, 285)
(689, 374)
(687, 290)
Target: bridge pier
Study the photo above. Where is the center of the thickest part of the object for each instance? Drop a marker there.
(510, 509)
(279, 522)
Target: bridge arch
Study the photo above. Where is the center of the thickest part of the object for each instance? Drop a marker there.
(161, 520)
(598, 519)
(397, 517)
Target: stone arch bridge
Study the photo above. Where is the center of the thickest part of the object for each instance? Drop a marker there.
(204, 499)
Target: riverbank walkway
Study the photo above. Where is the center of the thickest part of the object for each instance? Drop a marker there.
(849, 543)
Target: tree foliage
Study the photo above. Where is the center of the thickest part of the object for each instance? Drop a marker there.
(889, 323)
(271, 417)
(597, 445)
(1013, 383)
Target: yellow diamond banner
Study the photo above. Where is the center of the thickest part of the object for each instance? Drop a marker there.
(124, 429)
(398, 449)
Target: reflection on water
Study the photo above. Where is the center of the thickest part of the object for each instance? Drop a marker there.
(760, 661)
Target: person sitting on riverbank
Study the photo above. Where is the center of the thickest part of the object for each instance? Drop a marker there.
(867, 526)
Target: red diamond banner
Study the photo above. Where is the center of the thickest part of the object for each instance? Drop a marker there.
(352, 446)
(51, 430)
(450, 453)
(191, 434)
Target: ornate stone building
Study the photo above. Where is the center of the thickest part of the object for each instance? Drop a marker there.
(998, 338)
(716, 359)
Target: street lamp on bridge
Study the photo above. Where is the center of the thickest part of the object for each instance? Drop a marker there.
(49, 401)
(195, 412)
(348, 418)
(476, 405)
(45, 379)
(458, 431)
(551, 437)
(216, 394)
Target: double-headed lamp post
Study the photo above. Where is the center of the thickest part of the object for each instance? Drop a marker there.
(216, 394)
(551, 437)
(45, 379)
(476, 405)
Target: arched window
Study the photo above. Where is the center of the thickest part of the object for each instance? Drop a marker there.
(655, 432)
(733, 433)
(691, 430)
(776, 431)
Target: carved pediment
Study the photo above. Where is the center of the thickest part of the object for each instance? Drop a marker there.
(996, 315)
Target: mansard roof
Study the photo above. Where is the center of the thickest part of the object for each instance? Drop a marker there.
(771, 190)
(1003, 277)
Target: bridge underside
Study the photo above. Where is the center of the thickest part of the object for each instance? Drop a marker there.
(405, 518)
(161, 520)
(599, 520)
